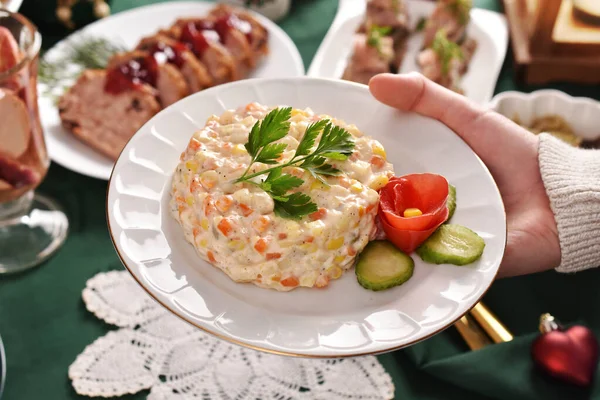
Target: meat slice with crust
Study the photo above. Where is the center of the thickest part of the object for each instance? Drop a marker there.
(206, 47)
(102, 120)
(450, 15)
(170, 83)
(369, 58)
(258, 35)
(195, 73)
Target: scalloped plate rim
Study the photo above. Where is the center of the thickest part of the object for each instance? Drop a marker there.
(321, 351)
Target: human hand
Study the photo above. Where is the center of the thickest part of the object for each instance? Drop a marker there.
(509, 151)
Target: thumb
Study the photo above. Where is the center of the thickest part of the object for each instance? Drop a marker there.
(492, 136)
(413, 92)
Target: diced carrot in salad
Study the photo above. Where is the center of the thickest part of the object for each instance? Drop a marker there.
(290, 281)
(224, 203)
(195, 145)
(225, 227)
(211, 257)
(261, 245)
(319, 214)
(245, 210)
(378, 161)
(273, 256)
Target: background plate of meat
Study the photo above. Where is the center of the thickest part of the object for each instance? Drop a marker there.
(168, 51)
(456, 46)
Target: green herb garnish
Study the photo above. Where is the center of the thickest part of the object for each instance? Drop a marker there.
(376, 33)
(421, 24)
(461, 9)
(374, 36)
(446, 50)
(335, 144)
(81, 53)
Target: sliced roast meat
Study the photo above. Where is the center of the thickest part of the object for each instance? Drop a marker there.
(169, 81)
(206, 46)
(228, 36)
(239, 47)
(388, 13)
(456, 65)
(392, 16)
(258, 35)
(176, 53)
(431, 67)
(369, 59)
(468, 49)
(103, 120)
(451, 16)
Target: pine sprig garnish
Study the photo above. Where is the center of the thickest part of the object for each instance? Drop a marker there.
(84, 52)
(335, 144)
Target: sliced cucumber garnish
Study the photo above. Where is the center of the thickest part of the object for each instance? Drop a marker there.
(382, 266)
(452, 244)
(451, 201)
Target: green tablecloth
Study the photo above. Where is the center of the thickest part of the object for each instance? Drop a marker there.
(44, 324)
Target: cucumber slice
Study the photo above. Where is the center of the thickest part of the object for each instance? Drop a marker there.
(452, 244)
(451, 201)
(382, 266)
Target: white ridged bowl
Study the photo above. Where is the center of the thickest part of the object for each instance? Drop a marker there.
(344, 319)
(581, 113)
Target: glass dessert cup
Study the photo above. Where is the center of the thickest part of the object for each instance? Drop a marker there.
(32, 227)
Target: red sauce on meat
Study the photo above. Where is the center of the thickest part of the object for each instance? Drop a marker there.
(172, 54)
(198, 38)
(198, 34)
(131, 74)
(228, 22)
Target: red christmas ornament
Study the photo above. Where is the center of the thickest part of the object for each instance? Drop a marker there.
(570, 355)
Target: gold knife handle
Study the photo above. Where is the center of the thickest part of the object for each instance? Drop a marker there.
(472, 333)
(490, 324)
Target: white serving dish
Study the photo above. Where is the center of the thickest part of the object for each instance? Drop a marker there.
(581, 113)
(343, 319)
(127, 28)
(487, 27)
(11, 5)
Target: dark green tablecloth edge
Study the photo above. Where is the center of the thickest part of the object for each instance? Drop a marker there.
(44, 324)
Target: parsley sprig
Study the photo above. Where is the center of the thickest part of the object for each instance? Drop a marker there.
(375, 34)
(461, 8)
(335, 144)
(446, 50)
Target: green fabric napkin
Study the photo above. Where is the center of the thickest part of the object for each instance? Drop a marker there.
(506, 371)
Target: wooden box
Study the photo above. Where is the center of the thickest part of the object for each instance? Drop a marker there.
(552, 43)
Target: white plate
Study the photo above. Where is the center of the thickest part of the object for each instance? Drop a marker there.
(488, 28)
(128, 28)
(344, 319)
(581, 113)
(11, 5)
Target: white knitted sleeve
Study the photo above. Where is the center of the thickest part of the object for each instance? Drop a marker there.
(572, 180)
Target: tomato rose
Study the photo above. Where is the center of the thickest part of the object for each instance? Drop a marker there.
(425, 192)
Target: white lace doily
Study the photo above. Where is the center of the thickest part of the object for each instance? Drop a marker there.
(176, 361)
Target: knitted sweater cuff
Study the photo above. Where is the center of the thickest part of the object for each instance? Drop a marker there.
(572, 180)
